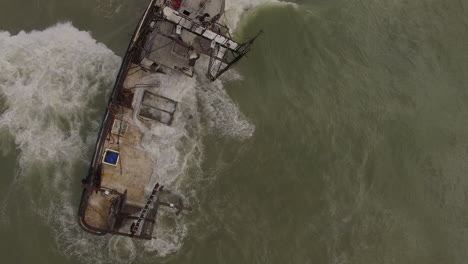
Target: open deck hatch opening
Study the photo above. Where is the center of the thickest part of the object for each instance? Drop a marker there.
(158, 108)
(119, 128)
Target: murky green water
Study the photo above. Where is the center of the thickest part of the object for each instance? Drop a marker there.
(344, 140)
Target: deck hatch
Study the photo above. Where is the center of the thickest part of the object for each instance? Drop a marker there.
(158, 108)
(119, 127)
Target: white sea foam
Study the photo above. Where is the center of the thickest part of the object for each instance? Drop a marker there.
(169, 235)
(48, 78)
(223, 115)
(122, 249)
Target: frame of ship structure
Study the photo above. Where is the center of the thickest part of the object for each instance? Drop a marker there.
(119, 205)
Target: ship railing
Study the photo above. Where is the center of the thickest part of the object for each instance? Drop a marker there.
(142, 21)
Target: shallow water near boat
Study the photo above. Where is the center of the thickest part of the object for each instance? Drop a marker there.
(340, 139)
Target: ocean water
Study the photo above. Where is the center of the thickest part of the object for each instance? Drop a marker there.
(340, 139)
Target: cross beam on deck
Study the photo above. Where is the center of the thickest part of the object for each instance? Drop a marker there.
(175, 17)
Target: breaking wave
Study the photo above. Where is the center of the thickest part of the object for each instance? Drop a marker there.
(236, 9)
(48, 78)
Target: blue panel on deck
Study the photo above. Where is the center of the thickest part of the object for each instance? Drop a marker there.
(111, 157)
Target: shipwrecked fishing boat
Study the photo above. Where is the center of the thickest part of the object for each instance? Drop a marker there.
(120, 195)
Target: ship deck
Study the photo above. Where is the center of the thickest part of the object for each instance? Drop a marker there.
(132, 173)
(134, 170)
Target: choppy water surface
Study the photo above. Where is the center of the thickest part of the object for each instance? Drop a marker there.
(340, 139)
